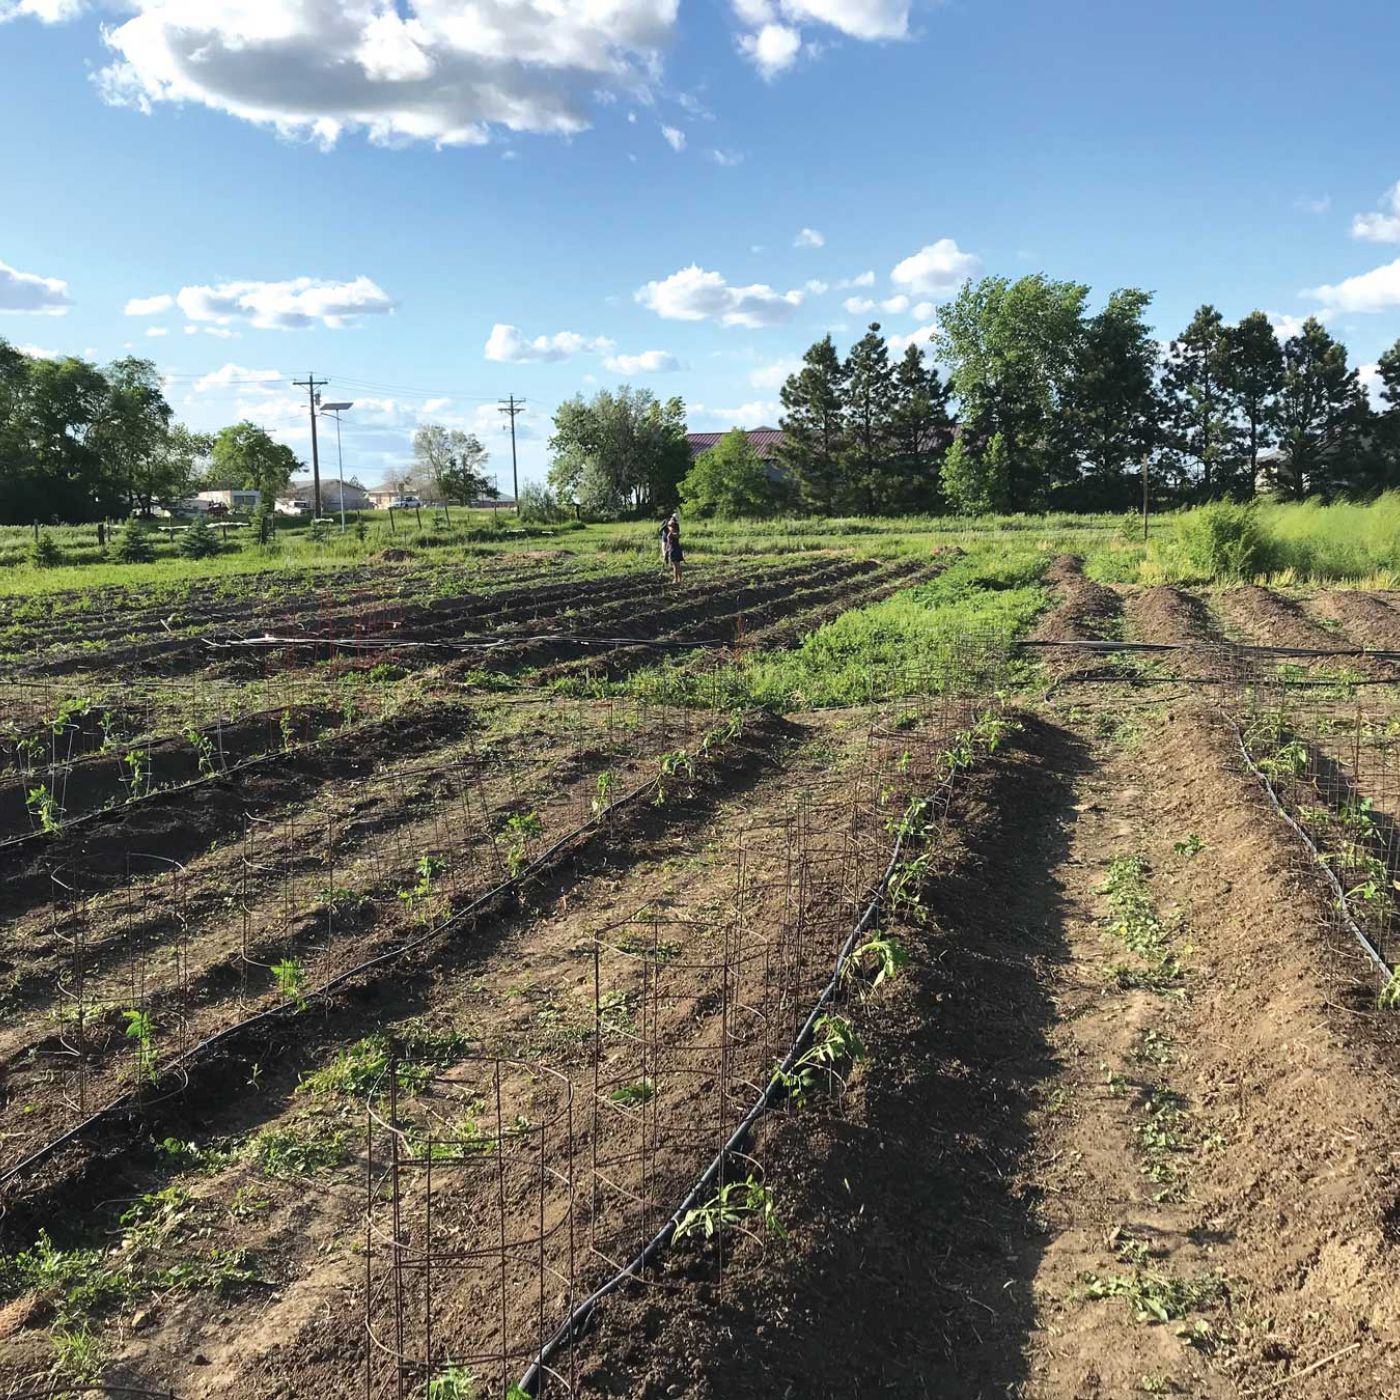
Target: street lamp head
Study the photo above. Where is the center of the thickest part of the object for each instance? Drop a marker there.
(336, 407)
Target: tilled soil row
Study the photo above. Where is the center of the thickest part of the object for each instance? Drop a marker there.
(1365, 619)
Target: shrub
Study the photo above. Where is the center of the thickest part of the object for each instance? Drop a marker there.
(132, 545)
(44, 553)
(1223, 541)
(540, 506)
(199, 541)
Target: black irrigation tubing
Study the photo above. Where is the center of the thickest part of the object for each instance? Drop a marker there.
(479, 643)
(581, 1316)
(1343, 908)
(1232, 647)
(288, 1010)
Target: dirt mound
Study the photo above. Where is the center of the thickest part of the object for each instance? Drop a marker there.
(1170, 615)
(1083, 611)
(1265, 619)
(1367, 619)
(394, 554)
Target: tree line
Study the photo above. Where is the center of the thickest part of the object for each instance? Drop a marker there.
(1047, 405)
(1024, 399)
(81, 442)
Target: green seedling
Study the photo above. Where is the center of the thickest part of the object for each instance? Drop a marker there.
(452, 1383)
(735, 1203)
(137, 772)
(43, 808)
(602, 792)
(633, 1095)
(1190, 848)
(429, 867)
(291, 981)
(835, 1042)
(203, 747)
(141, 1029)
(882, 953)
(521, 828)
(1155, 1297)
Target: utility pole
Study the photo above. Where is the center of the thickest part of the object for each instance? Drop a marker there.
(513, 407)
(311, 384)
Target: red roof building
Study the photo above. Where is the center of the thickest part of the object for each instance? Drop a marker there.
(765, 441)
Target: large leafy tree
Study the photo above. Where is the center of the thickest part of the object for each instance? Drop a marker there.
(451, 463)
(245, 456)
(1200, 407)
(814, 427)
(1010, 348)
(132, 436)
(1110, 404)
(1320, 416)
(920, 431)
(1254, 372)
(619, 452)
(57, 473)
(870, 394)
(731, 479)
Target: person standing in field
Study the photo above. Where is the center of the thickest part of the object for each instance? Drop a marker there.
(671, 549)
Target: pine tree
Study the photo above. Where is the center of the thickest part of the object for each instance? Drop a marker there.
(869, 398)
(199, 540)
(1200, 407)
(921, 430)
(814, 426)
(1320, 416)
(1254, 369)
(1111, 407)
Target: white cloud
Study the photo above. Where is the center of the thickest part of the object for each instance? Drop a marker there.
(1370, 376)
(772, 49)
(772, 37)
(37, 352)
(157, 330)
(1377, 290)
(28, 292)
(675, 137)
(437, 405)
(861, 279)
(775, 375)
(445, 71)
(936, 269)
(727, 159)
(507, 345)
(1308, 205)
(895, 305)
(1382, 226)
(924, 311)
(758, 413)
(693, 294)
(294, 305)
(149, 306)
(816, 286)
(648, 362)
(809, 238)
(45, 11)
(900, 343)
(250, 380)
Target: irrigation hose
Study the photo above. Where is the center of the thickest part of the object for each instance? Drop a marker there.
(180, 1065)
(579, 1318)
(1338, 890)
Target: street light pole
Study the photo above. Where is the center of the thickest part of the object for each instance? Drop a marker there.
(334, 410)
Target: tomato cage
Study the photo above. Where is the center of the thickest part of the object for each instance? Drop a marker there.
(119, 929)
(1325, 740)
(469, 1238)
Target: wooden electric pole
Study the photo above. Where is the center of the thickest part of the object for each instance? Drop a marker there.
(514, 407)
(311, 384)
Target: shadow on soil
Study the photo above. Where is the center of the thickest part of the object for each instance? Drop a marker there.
(913, 1243)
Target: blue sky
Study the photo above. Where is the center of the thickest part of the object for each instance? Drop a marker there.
(436, 203)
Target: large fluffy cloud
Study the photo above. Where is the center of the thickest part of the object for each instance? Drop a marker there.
(1377, 290)
(648, 362)
(45, 11)
(445, 71)
(508, 345)
(27, 291)
(1382, 226)
(292, 305)
(693, 294)
(935, 270)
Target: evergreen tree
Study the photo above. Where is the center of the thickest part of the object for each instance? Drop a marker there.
(1387, 422)
(869, 398)
(1200, 406)
(1321, 416)
(199, 540)
(1254, 370)
(921, 429)
(1111, 406)
(814, 424)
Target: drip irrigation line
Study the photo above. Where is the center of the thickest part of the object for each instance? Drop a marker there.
(1232, 647)
(1343, 908)
(477, 643)
(290, 1010)
(581, 1316)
